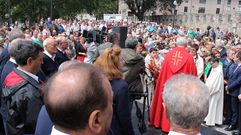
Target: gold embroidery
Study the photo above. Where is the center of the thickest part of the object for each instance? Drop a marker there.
(177, 58)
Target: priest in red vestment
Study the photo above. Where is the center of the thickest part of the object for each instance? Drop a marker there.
(177, 61)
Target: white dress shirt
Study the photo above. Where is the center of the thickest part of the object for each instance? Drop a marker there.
(29, 74)
(176, 133)
(49, 55)
(57, 132)
(13, 60)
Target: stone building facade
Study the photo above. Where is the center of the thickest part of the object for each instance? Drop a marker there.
(225, 14)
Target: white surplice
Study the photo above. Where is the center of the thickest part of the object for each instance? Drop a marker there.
(215, 83)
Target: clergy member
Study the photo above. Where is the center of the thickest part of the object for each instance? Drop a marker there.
(215, 83)
(176, 61)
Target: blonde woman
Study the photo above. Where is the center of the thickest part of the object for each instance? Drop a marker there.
(111, 62)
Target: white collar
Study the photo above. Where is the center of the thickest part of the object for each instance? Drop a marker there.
(13, 60)
(176, 133)
(29, 74)
(60, 50)
(57, 132)
(49, 55)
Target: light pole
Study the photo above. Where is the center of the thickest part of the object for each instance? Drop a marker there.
(51, 9)
(173, 13)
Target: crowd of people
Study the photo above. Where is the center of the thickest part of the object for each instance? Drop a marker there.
(73, 77)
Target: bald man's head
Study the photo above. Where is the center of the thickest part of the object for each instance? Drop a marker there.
(73, 94)
(50, 45)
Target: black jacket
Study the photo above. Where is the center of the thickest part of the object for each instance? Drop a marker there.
(49, 66)
(21, 103)
(121, 120)
(61, 57)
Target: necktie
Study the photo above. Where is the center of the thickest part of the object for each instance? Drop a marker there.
(40, 81)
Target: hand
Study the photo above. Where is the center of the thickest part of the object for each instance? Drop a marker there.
(226, 89)
(239, 97)
(225, 82)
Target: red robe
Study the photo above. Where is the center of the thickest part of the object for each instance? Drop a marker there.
(176, 61)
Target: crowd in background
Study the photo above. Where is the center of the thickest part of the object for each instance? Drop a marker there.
(146, 47)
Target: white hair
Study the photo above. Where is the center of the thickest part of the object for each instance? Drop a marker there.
(46, 41)
(187, 101)
(180, 41)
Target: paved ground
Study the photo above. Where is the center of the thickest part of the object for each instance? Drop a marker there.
(153, 131)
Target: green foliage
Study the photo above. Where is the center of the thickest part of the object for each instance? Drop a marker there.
(36, 9)
(140, 7)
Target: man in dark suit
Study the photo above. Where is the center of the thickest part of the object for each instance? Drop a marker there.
(228, 68)
(49, 65)
(233, 86)
(220, 47)
(239, 126)
(61, 55)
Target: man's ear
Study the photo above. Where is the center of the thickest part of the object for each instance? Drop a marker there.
(95, 122)
(29, 60)
(165, 111)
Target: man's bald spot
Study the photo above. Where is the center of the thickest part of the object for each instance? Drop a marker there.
(69, 83)
(80, 89)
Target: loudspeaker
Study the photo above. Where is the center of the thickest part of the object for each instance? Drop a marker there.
(122, 31)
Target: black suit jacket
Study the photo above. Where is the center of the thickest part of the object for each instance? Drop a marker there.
(49, 66)
(61, 57)
(234, 82)
(223, 53)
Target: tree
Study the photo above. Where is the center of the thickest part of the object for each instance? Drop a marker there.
(104, 6)
(140, 7)
(34, 10)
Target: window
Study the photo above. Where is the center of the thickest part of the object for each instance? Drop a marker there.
(239, 8)
(202, 1)
(239, 2)
(228, 8)
(229, 2)
(201, 10)
(217, 10)
(185, 9)
(218, 2)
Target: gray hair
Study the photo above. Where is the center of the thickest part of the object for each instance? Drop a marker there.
(228, 50)
(13, 46)
(113, 36)
(219, 44)
(131, 42)
(47, 41)
(15, 33)
(68, 64)
(187, 101)
(62, 39)
(181, 41)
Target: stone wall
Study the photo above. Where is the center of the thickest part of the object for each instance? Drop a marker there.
(230, 22)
